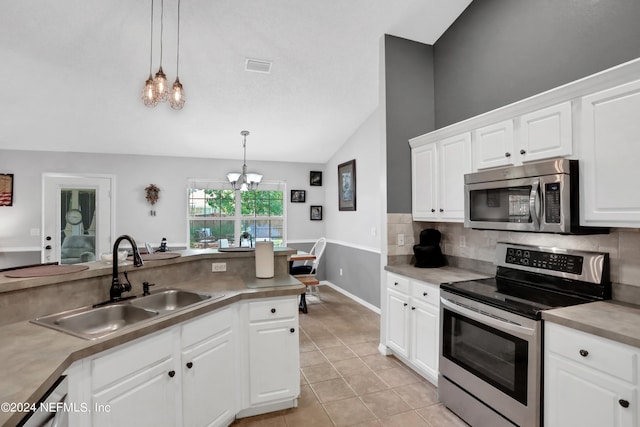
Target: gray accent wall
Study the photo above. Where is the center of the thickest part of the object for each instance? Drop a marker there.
(501, 51)
(409, 96)
(360, 271)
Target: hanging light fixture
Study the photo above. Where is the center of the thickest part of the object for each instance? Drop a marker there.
(148, 94)
(160, 81)
(244, 181)
(176, 100)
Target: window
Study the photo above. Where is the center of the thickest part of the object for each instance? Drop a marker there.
(217, 213)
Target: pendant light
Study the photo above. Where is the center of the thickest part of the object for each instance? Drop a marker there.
(160, 80)
(244, 181)
(176, 99)
(148, 94)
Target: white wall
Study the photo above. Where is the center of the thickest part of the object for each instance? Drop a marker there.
(133, 174)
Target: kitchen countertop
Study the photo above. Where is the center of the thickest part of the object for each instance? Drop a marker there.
(613, 320)
(34, 356)
(435, 275)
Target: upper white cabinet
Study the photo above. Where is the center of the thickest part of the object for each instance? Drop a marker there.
(437, 180)
(541, 134)
(609, 153)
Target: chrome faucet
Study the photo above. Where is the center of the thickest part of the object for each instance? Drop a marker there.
(117, 288)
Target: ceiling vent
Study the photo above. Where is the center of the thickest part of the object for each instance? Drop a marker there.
(257, 66)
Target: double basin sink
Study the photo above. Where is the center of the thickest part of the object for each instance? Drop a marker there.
(98, 322)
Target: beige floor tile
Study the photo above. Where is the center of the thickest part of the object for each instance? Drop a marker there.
(396, 377)
(365, 384)
(308, 416)
(310, 358)
(385, 403)
(351, 367)
(440, 416)
(365, 348)
(334, 389)
(378, 362)
(374, 423)
(307, 396)
(335, 354)
(327, 342)
(267, 420)
(348, 412)
(322, 372)
(406, 419)
(418, 395)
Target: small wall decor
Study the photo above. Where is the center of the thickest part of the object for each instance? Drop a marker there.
(153, 194)
(347, 186)
(6, 189)
(315, 178)
(298, 196)
(316, 213)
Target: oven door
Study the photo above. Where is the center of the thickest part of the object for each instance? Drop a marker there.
(493, 355)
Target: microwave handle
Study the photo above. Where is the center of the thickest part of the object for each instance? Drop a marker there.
(534, 203)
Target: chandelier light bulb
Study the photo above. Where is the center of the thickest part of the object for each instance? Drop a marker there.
(160, 86)
(148, 94)
(176, 100)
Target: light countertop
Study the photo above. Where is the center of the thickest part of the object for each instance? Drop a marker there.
(435, 276)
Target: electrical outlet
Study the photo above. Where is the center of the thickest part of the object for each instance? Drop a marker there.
(218, 266)
(463, 241)
(400, 239)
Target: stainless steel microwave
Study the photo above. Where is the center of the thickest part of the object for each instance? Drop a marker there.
(536, 197)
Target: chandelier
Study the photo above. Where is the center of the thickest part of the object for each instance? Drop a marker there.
(244, 181)
(156, 89)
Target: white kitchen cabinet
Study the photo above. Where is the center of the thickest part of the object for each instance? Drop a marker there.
(538, 135)
(137, 383)
(274, 358)
(413, 319)
(208, 374)
(438, 179)
(609, 153)
(589, 381)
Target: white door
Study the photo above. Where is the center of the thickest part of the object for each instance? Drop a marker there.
(455, 161)
(77, 209)
(493, 145)
(423, 182)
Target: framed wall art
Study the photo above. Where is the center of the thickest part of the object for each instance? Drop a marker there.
(347, 186)
(6, 189)
(315, 178)
(298, 196)
(315, 214)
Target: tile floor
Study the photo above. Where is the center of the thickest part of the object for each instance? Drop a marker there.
(344, 381)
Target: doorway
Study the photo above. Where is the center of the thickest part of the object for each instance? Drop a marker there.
(77, 217)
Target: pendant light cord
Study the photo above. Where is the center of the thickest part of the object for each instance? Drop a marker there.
(151, 41)
(178, 45)
(161, 28)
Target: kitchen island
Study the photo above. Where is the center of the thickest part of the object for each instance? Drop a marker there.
(35, 356)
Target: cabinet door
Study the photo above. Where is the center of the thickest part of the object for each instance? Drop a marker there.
(545, 133)
(609, 154)
(425, 337)
(209, 380)
(274, 361)
(145, 398)
(578, 396)
(454, 161)
(493, 145)
(398, 322)
(423, 182)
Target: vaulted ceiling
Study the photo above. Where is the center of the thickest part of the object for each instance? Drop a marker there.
(72, 73)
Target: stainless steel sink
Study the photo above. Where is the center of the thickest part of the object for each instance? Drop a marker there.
(97, 322)
(93, 323)
(170, 300)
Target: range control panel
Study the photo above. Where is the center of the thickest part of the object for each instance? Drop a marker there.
(564, 263)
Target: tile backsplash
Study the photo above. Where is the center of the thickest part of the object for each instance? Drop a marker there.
(622, 244)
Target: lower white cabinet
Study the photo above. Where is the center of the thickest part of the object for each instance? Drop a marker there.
(412, 323)
(589, 381)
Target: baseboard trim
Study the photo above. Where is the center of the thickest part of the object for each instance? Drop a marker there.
(351, 296)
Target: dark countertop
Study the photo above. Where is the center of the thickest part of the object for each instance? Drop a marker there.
(34, 356)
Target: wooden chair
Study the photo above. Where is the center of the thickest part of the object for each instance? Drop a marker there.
(306, 273)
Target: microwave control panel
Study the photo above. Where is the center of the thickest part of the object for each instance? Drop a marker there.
(545, 260)
(552, 211)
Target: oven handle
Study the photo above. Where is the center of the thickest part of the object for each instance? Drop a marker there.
(496, 322)
(533, 203)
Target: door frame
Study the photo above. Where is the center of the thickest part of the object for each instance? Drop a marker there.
(80, 178)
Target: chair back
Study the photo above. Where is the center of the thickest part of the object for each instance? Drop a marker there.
(317, 250)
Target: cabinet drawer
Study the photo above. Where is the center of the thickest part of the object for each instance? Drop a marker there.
(399, 283)
(595, 352)
(426, 292)
(129, 358)
(207, 326)
(272, 309)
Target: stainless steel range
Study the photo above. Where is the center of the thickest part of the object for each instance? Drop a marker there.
(491, 330)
